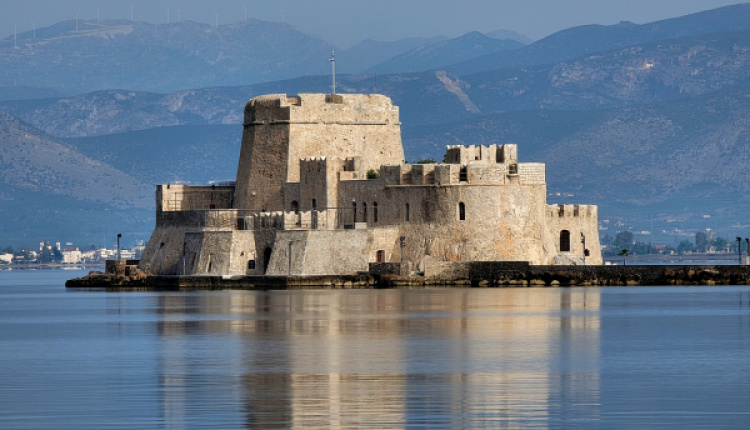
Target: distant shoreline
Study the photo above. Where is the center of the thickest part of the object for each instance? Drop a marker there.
(673, 259)
(56, 266)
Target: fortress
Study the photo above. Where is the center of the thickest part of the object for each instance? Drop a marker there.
(322, 189)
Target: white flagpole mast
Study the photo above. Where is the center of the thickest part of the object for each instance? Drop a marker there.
(332, 60)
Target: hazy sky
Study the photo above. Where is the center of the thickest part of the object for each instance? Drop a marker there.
(346, 22)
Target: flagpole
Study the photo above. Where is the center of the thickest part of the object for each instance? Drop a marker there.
(333, 69)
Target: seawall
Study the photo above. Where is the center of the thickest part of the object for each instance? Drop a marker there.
(472, 274)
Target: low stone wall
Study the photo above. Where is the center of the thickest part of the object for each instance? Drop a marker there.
(208, 282)
(474, 274)
(638, 275)
(121, 267)
(480, 270)
(498, 274)
(382, 269)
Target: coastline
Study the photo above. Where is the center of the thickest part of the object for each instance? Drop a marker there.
(57, 266)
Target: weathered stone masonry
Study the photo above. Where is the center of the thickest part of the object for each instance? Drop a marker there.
(322, 189)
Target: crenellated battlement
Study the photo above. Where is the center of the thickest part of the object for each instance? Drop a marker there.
(572, 211)
(304, 108)
(290, 220)
(481, 154)
(471, 174)
(313, 168)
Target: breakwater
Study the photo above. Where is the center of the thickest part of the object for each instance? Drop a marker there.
(468, 274)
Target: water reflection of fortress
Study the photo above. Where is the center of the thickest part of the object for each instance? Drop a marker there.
(332, 359)
(322, 189)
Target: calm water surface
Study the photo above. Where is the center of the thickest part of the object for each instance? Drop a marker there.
(617, 358)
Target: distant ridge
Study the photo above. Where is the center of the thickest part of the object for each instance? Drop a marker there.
(159, 57)
(578, 41)
(33, 162)
(640, 74)
(444, 53)
(50, 190)
(509, 35)
(368, 53)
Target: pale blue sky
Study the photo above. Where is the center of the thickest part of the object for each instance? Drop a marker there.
(346, 22)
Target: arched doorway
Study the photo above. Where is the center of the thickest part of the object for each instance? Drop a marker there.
(565, 241)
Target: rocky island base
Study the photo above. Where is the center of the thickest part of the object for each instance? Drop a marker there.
(461, 275)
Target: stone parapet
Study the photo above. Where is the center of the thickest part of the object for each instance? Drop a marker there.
(209, 219)
(572, 211)
(481, 154)
(178, 197)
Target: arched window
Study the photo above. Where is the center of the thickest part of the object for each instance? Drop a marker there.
(354, 212)
(294, 206)
(461, 211)
(364, 212)
(565, 241)
(315, 204)
(374, 211)
(407, 215)
(380, 256)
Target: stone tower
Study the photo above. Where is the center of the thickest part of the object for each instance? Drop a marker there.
(280, 130)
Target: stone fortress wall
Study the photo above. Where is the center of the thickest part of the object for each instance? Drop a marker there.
(322, 190)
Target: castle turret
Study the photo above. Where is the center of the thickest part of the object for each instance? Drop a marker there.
(280, 130)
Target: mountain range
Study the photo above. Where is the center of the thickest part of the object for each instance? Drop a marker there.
(648, 121)
(75, 57)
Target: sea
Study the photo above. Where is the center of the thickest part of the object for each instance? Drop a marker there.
(444, 358)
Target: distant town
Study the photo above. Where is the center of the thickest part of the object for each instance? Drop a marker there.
(702, 244)
(56, 254)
